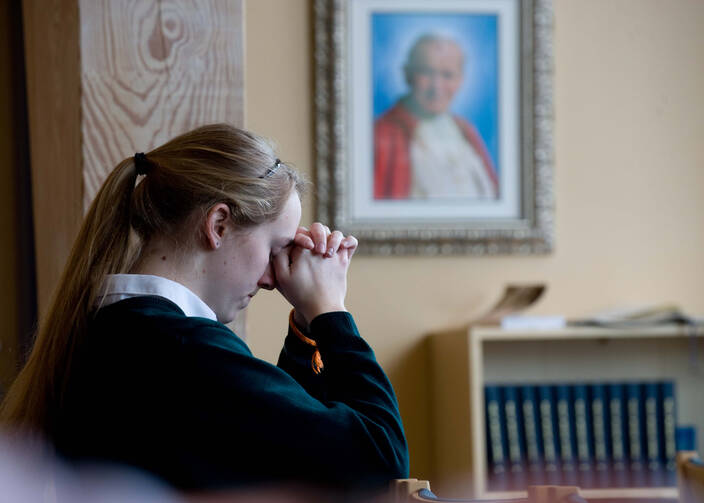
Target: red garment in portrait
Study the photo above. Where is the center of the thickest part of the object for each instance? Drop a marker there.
(392, 164)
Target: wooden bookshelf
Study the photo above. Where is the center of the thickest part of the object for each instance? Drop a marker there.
(463, 360)
(638, 494)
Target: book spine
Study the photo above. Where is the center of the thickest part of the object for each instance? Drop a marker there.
(496, 443)
(652, 434)
(636, 436)
(548, 422)
(619, 474)
(535, 475)
(585, 452)
(516, 456)
(669, 421)
(566, 434)
(600, 435)
(686, 438)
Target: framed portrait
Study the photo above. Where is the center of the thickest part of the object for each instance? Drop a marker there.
(434, 124)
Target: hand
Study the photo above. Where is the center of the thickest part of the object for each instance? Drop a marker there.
(321, 240)
(313, 284)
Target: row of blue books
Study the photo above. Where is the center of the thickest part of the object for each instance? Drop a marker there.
(588, 434)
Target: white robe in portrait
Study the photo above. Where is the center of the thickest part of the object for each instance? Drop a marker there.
(444, 164)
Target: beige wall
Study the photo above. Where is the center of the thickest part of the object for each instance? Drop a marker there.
(629, 181)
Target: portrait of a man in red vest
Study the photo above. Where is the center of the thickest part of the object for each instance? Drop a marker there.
(421, 149)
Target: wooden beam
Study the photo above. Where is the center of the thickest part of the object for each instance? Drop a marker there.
(54, 106)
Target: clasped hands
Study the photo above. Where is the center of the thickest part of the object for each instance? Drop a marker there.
(312, 273)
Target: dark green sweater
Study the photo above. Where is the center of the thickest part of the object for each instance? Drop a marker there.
(183, 398)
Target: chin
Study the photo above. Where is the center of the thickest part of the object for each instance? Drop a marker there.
(229, 316)
(234, 311)
(435, 109)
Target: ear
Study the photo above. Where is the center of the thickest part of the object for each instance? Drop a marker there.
(215, 224)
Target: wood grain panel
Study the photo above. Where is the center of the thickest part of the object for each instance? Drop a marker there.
(152, 70)
(53, 96)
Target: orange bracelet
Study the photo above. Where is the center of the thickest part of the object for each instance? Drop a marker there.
(317, 360)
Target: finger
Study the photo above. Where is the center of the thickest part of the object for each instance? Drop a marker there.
(350, 243)
(295, 254)
(303, 238)
(281, 263)
(320, 237)
(304, 241)
(334, 241)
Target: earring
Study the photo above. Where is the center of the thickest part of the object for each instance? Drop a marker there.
(217, 244)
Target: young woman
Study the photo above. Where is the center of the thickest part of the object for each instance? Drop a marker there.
(133, 363)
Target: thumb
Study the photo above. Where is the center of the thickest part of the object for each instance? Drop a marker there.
(280, 262)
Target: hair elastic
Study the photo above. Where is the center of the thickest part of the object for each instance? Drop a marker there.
(272, 170)
(141, 163)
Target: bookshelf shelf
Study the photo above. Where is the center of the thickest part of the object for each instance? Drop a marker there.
(464, 360)
(663, 331)
(636, 494)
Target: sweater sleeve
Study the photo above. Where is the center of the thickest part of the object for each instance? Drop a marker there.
(339, 428)
(296, 360)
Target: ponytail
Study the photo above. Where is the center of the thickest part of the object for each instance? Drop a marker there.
(101, 248)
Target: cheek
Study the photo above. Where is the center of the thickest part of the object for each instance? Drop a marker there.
(450, 86)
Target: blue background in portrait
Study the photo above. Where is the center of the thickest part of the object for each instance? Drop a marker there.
(476, 101)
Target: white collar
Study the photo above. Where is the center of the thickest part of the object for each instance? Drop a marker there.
(123, 286)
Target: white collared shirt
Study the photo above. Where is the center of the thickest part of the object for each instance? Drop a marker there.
(123, 286)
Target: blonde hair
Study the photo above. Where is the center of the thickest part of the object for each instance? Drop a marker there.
(212, 164)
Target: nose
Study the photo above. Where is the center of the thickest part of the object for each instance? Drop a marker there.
(268, 279)
(434, 84)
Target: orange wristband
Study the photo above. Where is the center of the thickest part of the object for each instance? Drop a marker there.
(317, 360)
